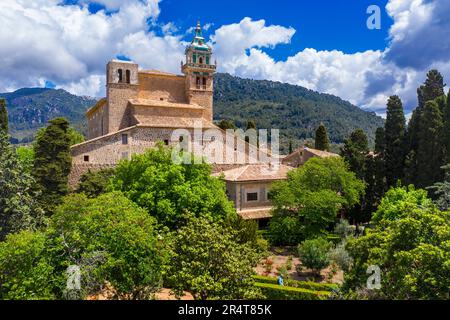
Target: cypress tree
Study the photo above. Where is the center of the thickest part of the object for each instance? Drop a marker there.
(446, 132)
(379, 163)
(432, 88)
(3, 116)
(394, 140)
(52, 163)
(355, 150)
(291, 148)
(322, 142)
(429, 153)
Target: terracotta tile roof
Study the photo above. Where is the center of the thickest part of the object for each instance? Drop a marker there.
(256, 213)
(172, 122)
(256, 172)
(318, 153)
(163, 103)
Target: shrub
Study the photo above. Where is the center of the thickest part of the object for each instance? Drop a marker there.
(314, 254)
(95, 183)
(25, 273)
(298, 284)
(343, 229)
(341, 257)
(276, 292)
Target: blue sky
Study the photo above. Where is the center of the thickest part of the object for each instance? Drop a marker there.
(322, 45)
(323, 25)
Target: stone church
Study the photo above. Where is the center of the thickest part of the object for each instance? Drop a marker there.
(144, 107)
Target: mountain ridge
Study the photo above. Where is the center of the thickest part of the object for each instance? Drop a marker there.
(295, 110)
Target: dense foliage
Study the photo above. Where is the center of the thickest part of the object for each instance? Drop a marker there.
(19, 209)
(95, 183)
(3, 117)
(52, 163)
(311, 198)
(206, 261)
(170, 191)
(410, 242)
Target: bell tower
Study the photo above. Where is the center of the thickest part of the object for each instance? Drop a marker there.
(199, 71)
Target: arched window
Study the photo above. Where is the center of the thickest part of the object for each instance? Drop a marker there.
(200, 60)
(128, 76)
(198, 82)
(204, 83)
(120, 72)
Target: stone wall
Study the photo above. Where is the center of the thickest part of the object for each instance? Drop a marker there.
(166, 87)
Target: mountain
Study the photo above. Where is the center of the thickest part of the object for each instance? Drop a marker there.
(31, 108)
(296, 111)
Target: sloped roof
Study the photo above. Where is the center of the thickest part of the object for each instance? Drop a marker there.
(318, 153)
(163, 103)
(256, 213)
(256, 172)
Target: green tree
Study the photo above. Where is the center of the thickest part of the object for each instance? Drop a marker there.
(355, 150)
(394, 140)
(112, 240)
(206, 261)
(315, 193)
(3, 116)
(95, 183)
(26, 157)
(170, 191)
(432, 88)
(25, 272)
(313, 254)
(398, 200)
(446, 131)
(74, 136)
(52, 163)
(412, 251)
(226, 124)
(19, 209)
(322, 142)
(429, 153)
(441, 191)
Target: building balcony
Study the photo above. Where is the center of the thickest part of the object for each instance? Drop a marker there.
(199, 66)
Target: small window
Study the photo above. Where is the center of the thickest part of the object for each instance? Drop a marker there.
(120, 72)
(128, 73)
(200, 60)
(125, 155)
(86, 158)
(124, 139)
(166, 142)
(252, 196)
(181, 139)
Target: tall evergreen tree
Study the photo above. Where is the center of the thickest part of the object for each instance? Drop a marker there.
(355, 150)
(432, 88)
(322, 142)
(52, 163)
(429, 153)
(446, 132)
(379, 164)
(3, 116)
(394, 140)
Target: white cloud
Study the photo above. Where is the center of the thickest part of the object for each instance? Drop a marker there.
(67, 45)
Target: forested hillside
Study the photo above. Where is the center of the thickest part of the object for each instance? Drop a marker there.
(295, 110)
(31, 108)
